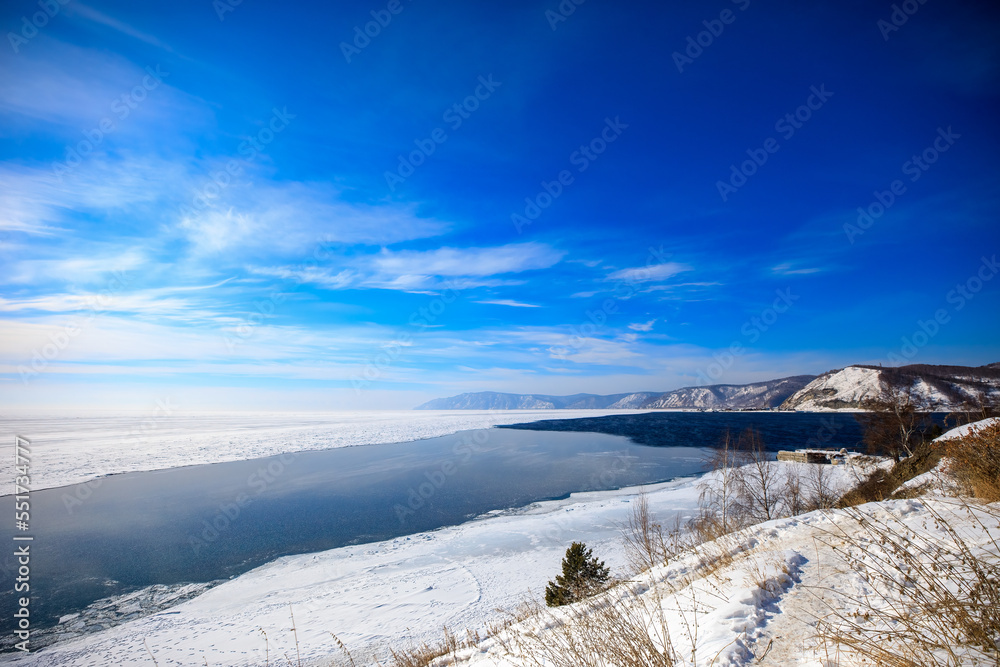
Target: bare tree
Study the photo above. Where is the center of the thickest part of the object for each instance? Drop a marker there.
(719, 497)
(645, 543)
(975, 408)
(759, 487)
(795, 500)
(892, 422)
(822, 494)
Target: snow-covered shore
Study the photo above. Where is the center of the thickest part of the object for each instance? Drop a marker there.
(388, 593)
(72, 448)
(761, 598)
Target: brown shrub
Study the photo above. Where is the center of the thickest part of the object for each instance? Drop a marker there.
(974, 460)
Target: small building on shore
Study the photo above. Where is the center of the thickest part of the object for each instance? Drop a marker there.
(827, 456)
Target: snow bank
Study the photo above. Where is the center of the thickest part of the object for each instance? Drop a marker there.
(965, 429)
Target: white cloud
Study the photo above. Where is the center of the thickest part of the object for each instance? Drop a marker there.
(69, 88)
(427, 271)
(654, 273)
(80, 9)
(509, 302)
(786, 269)
(645, 326)
(444, 262)
(294, 219)
(310, 274)
(82, 269)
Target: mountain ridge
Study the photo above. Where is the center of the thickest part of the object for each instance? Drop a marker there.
(755, 395)
(933, 387)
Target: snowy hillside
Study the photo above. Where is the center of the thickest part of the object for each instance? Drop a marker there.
(634, 401)
(758, 395)
(735, 397)
(935, 387)
(774, 594)
(491, 400)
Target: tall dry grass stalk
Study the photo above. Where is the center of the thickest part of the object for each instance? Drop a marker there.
(974, 461)
(616, 628)
(930, 595)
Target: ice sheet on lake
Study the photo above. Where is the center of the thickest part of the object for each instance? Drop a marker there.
(74, 448)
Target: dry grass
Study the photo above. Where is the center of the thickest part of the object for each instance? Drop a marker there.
(882, 484)
(616, 628)
(926, 600)
(974, 461)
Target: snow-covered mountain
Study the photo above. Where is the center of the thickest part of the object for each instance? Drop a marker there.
(934, 387)
(733, 396)
(491, 400)
(721, 396)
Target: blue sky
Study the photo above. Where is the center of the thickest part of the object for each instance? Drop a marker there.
(258, 206)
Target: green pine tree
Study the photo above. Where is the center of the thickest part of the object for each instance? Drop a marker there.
(582, 575)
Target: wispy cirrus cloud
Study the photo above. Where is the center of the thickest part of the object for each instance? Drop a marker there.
(508, 302)
(291, 218)
(790, 269)
(652, 273)
(90, 14)
(430, 270)
(489, 261)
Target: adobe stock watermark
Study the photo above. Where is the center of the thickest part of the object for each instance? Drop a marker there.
(900, 14)
(915, 167)
(389, 353)
(262, 310)
(223, 7)
(228, 513)
(30, 27)
(60, 340)
(595, 320)
(249, 149)
(363, 37)
(121, 108)
(562, 12)
(786, 126)
(462, 451)
(957, 298)
(751, 330)
(696, 44)
(454, 116)
(560, 523)
(136, 435)
(581, 158)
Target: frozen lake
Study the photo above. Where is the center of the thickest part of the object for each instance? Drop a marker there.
(203, 523)
(209, 522)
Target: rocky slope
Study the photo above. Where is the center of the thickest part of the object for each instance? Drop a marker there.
(933, 387)
(491, 400)
(758, 395)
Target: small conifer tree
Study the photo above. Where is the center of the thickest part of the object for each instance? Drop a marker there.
(582, 575)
